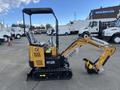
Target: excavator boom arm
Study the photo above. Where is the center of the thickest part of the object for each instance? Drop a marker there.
(97, 65)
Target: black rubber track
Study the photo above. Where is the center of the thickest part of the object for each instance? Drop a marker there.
(50, 74)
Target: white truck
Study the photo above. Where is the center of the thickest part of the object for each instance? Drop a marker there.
(113, 33)
(95, 27)
(62, 31)
(4, 34)
(17, 32)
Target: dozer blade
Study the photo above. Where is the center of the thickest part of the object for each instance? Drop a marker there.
(50, 74)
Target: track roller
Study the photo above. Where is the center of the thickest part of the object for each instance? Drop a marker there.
(50, 74)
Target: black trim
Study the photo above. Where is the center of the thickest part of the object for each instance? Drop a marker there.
(31, 11)
(1, 40)
(107, 38)
(106, 60)
(94, 33)
(31, 63)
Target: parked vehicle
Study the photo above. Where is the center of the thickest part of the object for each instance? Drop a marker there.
(40, 31)
(4, 35)
(1, 39)
(76, 25)
(37, 31)
(95, 27)
(17, 32)
(113, 33)
(50, 31)
(62, 31)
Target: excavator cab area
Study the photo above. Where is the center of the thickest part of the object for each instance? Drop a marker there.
(30, 34)
(44, 59)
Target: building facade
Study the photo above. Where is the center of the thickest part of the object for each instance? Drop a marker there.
(105, 13)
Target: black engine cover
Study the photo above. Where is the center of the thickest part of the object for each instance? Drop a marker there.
(55, 62)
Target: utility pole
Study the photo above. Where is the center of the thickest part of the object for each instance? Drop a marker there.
(75, 16)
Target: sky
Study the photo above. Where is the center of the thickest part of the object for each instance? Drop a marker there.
(65, 10)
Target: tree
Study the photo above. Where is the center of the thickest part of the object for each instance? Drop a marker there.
(48, 26)
(14, 25)
(42, 26)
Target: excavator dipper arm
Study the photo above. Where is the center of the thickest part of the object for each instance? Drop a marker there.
(92, 67)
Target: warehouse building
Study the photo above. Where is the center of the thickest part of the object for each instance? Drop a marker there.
(105, 13)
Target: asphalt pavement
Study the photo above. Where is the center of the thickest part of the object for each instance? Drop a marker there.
(14, 68)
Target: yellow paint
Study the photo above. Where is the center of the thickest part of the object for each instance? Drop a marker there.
(53, 51)
(36, 54)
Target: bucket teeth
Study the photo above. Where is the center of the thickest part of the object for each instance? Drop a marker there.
(90, 67)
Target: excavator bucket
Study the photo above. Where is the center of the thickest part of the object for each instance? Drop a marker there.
(90, 66)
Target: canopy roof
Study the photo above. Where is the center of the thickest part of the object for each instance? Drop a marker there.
(31, 11)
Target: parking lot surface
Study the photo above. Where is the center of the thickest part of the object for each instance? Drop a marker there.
(14, 68)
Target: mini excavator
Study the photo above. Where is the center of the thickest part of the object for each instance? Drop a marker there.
(48, 64)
